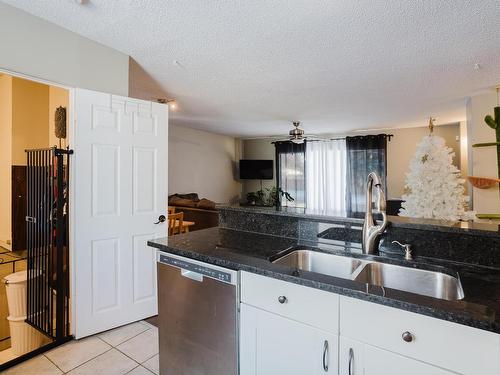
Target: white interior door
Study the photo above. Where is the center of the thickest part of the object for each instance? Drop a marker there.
(120, 189)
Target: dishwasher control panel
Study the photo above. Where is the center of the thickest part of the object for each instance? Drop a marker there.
(197, 268)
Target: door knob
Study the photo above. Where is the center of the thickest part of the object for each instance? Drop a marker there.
(407, 336)
(282, 299)
(161, 219)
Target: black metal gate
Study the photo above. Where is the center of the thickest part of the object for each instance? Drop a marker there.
(47, 241)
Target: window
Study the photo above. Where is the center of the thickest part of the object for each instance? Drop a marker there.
(326, 175)
(365, 154)
(330, 175)
(290, 172)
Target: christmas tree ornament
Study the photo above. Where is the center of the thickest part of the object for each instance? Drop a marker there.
(434, 188)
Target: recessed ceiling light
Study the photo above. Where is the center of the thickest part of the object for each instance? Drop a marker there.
(172, 103)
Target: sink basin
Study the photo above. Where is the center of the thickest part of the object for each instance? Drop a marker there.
(424, 282)
(427, 283)
(314, 261)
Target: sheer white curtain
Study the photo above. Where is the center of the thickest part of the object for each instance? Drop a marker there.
(326, 175)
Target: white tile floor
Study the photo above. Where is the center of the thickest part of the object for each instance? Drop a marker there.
(131, 349)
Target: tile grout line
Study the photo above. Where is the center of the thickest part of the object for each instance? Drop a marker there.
(126, 355)
(60, 369)
(87, 361)
(141, 367)
(111, 348)
(123, 342)
(154, 355)
(81, 364)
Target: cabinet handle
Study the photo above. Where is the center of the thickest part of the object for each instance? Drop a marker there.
(325, 356)
(282, 299)
(351, 360)
(407, 336)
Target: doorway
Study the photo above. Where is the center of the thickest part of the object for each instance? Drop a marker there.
(32, 117)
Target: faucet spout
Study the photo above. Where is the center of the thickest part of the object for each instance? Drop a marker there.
(372, 231)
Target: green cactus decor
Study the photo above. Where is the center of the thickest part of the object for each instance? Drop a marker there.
(494, 123)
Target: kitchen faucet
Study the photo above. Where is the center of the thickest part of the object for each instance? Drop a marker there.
(371, 231)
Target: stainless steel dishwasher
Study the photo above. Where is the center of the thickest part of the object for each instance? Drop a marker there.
(197, 313)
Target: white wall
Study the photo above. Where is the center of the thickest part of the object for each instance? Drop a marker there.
(203, 163)
(35, 47)
(482, 161)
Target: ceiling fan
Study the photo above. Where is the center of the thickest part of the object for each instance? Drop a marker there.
(297, 135)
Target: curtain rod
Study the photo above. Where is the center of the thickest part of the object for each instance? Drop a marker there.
(389, 136)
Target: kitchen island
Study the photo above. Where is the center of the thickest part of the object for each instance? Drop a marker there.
(348, 318)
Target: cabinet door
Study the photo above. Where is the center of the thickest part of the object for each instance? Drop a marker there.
(271, 344)
(381, 362)
(351, 357)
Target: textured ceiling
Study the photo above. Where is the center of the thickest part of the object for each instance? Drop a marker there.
(248, 67)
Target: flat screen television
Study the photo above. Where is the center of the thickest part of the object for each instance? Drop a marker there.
(256, 169)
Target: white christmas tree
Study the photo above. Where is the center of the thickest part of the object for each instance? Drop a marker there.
(433, 186)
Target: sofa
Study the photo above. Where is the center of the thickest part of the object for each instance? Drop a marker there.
(202, 212)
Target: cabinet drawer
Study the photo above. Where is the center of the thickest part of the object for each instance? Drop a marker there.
(307, 305)
(452, 346)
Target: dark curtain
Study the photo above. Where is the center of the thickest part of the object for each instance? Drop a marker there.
(365, 154)
(290, 172)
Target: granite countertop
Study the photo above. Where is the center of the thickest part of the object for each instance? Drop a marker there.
(248, 251)
(463, 227)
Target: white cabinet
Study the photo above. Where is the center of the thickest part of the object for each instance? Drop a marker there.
(382, 362)
(357, 358)
(434, 341)
(351, 357)
(271, 344)
(284, 327)
(314, 307)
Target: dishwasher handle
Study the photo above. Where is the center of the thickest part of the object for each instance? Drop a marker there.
(196, 270)
(192, 275)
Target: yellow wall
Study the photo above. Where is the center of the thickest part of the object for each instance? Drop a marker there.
(402, 147)
(5, 158)
(58, 97)
(26, 121)
(30, 111)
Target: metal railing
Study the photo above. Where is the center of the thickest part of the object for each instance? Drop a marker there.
(47, 241)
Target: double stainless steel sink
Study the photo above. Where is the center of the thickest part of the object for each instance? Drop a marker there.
(424, 282)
